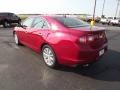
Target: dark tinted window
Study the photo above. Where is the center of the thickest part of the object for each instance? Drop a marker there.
(14, 15)
(110, 17)
(3, 14)
(10, 14)
(71, 22)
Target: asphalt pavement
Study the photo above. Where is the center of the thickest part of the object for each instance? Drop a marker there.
(23, 69)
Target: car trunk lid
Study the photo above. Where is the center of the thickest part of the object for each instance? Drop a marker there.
(95, 36)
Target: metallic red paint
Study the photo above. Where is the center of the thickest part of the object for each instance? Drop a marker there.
(65, 41)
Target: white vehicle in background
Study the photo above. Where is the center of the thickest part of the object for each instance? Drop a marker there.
(109, 20)
(106, 20)
(115, 21)
(89, 18)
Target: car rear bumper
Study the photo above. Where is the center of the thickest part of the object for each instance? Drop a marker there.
(83, 57)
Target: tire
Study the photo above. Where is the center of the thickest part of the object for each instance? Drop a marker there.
(119, 25)
(113, 24)
(102, 23)
(17, 42)
(6, 24)
(108, 23)
(49, 56)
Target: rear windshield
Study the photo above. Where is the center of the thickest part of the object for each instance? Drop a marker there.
(71, 22)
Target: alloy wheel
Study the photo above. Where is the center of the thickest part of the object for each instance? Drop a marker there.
(48, 56)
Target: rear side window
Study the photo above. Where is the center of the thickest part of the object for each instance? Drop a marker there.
(3, 14)
(9, 14)
(71, 22)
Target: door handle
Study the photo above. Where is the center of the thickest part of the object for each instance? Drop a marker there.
(26, 32)
(40, 34)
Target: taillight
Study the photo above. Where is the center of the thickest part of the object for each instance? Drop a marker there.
(101, 36)
(84, 39)
(91, 38)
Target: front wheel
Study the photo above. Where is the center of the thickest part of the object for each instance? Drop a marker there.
(49, 56)
(17, 42)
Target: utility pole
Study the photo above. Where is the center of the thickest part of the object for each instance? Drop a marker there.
(117, 7)
(94, 10)
(119, 13)
(93, 19)
(103, 8)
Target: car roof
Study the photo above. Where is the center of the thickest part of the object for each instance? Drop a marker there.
(50, 16)
(6, 13)
(47, 17)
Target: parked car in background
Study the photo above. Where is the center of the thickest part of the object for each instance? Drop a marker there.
(109, 20)
(62, 40)
(115, 21)
(97, 19)
(104, 21)
(6, 19)
(89, 18)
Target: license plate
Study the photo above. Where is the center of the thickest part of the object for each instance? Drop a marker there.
(101, 52)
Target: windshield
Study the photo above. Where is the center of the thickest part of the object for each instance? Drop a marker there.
(71, 22)
(110, 17)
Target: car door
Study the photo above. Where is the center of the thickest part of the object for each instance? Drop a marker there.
(23, 31)
(38, 34)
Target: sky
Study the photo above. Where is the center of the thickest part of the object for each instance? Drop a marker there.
(58, 6)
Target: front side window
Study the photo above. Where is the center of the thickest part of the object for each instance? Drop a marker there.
(71, 22)
(14, 15)
(45, 25)
(10, 14)
(28, 22)
(40, 23)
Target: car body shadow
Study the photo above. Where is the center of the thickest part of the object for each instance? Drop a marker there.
(106, 69)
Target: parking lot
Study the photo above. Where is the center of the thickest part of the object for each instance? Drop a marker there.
(23, 69)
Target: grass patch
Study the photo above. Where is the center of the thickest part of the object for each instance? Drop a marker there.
(23, 17)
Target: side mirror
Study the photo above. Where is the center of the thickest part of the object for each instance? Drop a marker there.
(21, 25)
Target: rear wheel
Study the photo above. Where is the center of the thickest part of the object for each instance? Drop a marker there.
(103, 23)
(119, 25)
(49, 56)
(6, 24)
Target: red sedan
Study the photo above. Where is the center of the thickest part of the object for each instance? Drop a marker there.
(62, 40)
